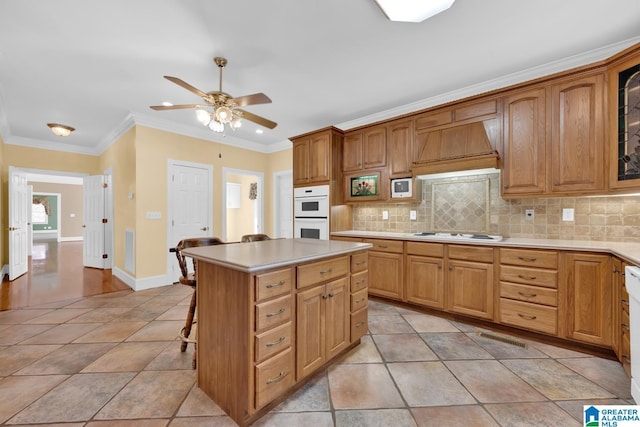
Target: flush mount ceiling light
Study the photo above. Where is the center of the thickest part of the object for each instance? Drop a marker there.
(60, 130)
(413, 10)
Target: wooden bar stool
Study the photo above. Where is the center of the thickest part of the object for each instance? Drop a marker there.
(254, 238)
(189, 279)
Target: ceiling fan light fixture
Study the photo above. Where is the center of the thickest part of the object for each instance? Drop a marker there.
(224, 114)
(60, 130)
(216, 126)
(203, 116)
(412, 10)
(235, 123)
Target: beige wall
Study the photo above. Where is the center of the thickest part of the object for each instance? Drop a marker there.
(240, 220)
(71, 202)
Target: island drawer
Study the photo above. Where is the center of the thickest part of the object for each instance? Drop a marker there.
(359, 262)
(359, 300)
(359, 324)
(274, 283)
(477, 254)
(396, 246)
(529, 257)
(273, 341)
(435, 250)
(533, 294)
(274, 377)
(321, 271)
(359, 281)
(273, 312)
(530, 316)
(529, 276)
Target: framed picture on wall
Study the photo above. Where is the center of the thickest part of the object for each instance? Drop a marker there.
(363, 187)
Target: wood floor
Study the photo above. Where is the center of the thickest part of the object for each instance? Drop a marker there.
(56, 273)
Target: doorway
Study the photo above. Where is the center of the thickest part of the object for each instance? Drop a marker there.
(283, 204)
(243, 203)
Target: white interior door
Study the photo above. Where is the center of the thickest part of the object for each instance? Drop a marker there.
(95, 253)
(30, 220)
(19, 203)
(190, 206)
(283, 215)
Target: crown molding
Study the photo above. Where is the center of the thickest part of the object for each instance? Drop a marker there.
(117, 133)
(48, 145)
(494, 84)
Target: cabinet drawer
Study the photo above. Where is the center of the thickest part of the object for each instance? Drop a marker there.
(359, 325)
(435, 250)
(528, 257)
(359, 300)
(530, 316)
(532, 294)
(359, 281)
(529, 276)
(359, 262)
(273, 283)
(318, 272)
(471, 253)
(274, 377)
(273, 313)
(273, 341)
(395, 246)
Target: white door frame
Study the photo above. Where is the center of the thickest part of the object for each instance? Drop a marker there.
(260, 199)
(171, 163)
(277, 193)
(18, 235)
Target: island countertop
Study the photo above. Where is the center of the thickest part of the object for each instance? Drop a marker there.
(253, 257)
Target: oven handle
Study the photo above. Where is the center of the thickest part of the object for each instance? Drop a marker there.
(310, 218)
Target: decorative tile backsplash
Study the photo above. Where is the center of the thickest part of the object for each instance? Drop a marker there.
(473, 204)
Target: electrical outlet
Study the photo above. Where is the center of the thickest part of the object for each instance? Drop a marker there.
(529, 214)
(413, 215)
(154, 215)
(567, 214)
(385, 214)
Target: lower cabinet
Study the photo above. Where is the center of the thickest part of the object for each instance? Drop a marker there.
(386, 268)
(589, 297)
(425, 274)
(621, 339)
(470, 283)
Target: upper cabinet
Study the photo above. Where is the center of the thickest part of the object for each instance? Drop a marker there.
(400, 148)
(364, 149)
(317, 157)
(577, 142)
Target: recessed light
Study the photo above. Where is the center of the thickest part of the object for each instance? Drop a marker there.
(412, 10)
(167, 104)
(259, 131)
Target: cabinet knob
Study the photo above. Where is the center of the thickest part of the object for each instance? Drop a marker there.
(450, 268)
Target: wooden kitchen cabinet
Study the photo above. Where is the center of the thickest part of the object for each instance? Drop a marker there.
(425, 274)
(524, 144)
(589, 297)
(399, 148)
(359, 295)
(317, 157)
(386, 268)
(621, 339)
(470, 283)
(364, 149)
(577, 142)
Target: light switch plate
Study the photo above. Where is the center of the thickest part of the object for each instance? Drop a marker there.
(567, 214)
(154, 215)
(385, 214)
(413, 215)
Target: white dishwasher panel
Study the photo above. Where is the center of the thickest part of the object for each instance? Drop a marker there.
(632, 282)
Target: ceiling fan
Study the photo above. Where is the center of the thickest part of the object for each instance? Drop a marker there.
(220, 108)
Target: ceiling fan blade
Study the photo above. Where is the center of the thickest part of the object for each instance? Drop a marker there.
(253, 99)
(259, 120)
(173, 107)
(186, 85)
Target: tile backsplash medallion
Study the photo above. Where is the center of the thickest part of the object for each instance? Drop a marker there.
(473, 204)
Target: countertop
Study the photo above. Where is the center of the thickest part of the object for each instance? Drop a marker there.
(253, 257)
(628, 251)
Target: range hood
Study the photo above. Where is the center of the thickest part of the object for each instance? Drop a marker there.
(458, 148)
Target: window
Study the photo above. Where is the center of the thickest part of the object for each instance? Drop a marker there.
(39, 214)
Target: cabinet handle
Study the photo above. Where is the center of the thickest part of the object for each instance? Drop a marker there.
(271, 344)
(325, 271)
(625, 302)
(527, 317)
(275, 285)
(530, 259)
(360, 262)
(330, 294)
(383, 246)
(359, 324)
(526, 277)
(277, 313)
(358, 301)
(280, 377)
(450, 268)
(625, 326)
(526, 295)
(325, 296)
(615, 270)
(360, 281)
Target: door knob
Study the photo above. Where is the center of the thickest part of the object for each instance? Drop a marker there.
(204, 228)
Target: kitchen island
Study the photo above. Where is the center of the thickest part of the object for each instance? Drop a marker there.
(272, 313)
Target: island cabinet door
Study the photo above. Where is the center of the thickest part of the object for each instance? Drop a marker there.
(337, 318)
(310, 340)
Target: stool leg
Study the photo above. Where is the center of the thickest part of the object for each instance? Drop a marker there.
(189, 322)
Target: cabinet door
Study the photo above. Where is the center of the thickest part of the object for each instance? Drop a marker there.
(374, 147)
(310, 340)
(425, 281)
(400, 148)
(577, 135)
(352, 152)
(470, 287)
(616, 281)
(319, 158)
(337, 316)
(589, 298)
(523, 153)
(386, 274)
(301, 162)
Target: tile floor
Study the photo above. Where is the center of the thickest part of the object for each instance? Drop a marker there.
(113, 360)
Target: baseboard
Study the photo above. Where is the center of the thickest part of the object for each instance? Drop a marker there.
(5, 270)
(71, 239)
(140, 284)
